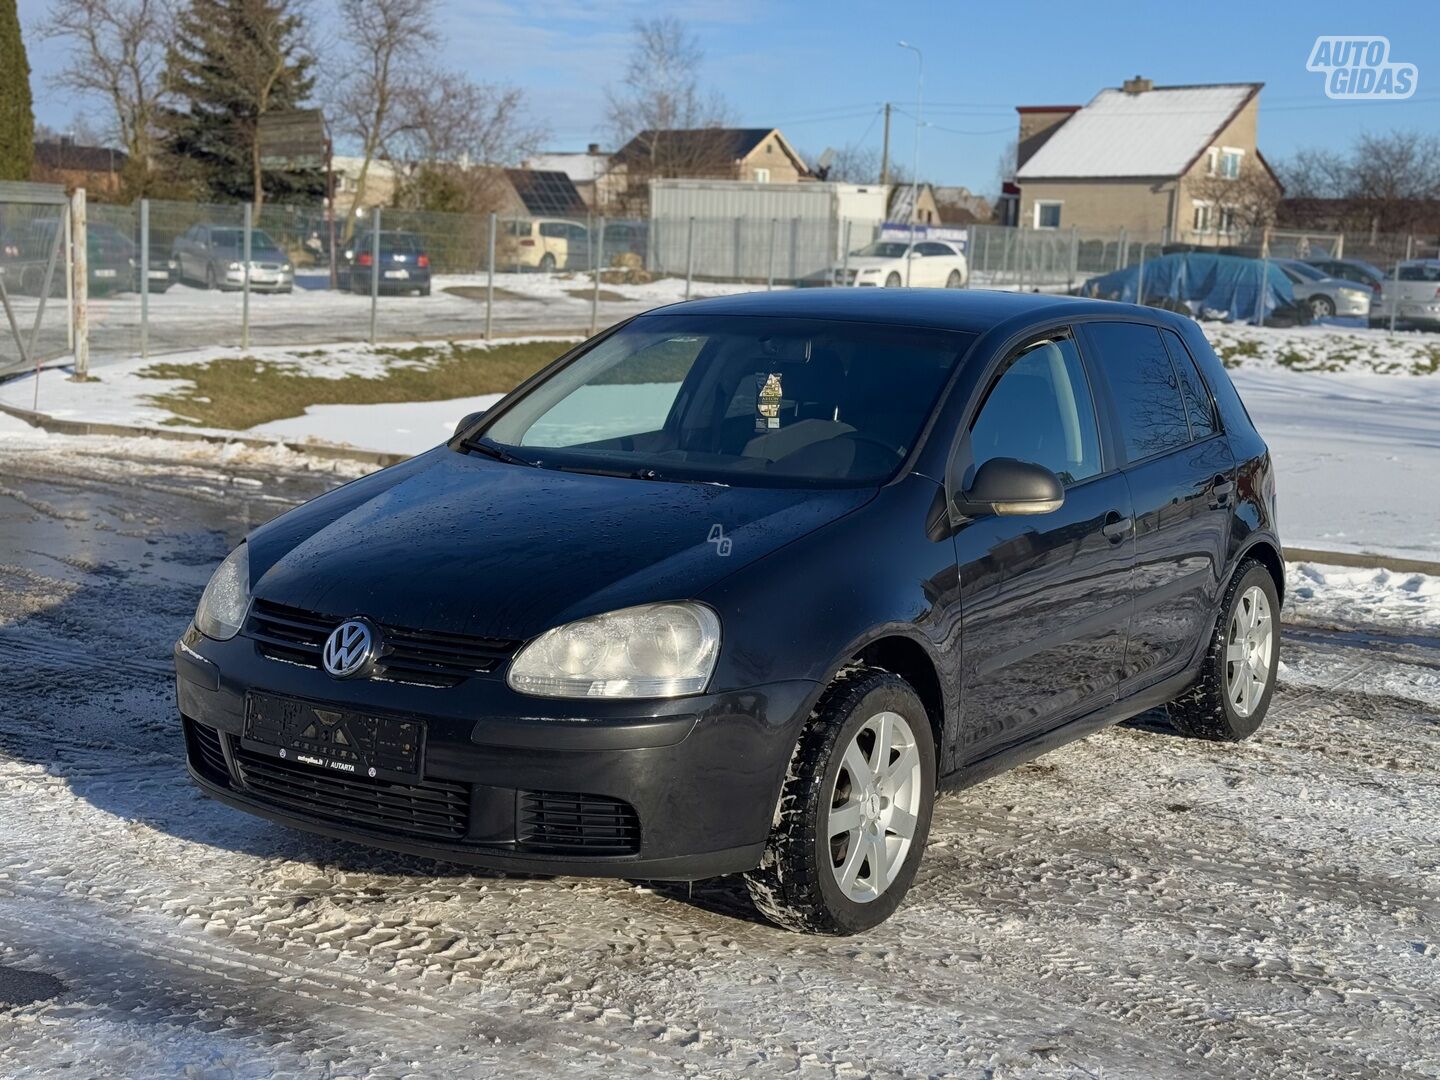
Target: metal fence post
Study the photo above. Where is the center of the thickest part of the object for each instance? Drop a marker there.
(1074, 256)
(1394, 296)
(845, 255)
(144, 278)
(1140, 285)
(1020, 261)
(770, 258)
(1120, 250)
(245, 278)
(69, 280)
(689, 256)
(595, 292)
(794, 249)
(374, 270)
(80, 277)
(490, 278)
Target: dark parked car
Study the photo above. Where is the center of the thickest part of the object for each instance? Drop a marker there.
(736, 586)
(1356, 270)
(110, 259)
(214, 256)
(404, 263)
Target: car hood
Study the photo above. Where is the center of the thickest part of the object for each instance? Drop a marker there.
(874, 262)
(466, 545)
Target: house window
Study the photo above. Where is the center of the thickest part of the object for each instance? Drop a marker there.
(762, 176)
(1204, 217)
(1212, 160)
(1226, 219)
(1230, 162)
(1047, 214)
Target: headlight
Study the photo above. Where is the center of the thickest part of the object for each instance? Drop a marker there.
(227, 597)
(285, 268)
(650, 651)
(1354, 294)
(237, 266)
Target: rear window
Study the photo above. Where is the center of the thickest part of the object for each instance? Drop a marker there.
(1144, 387)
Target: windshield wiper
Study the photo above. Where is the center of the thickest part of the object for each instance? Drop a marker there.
(494, 450)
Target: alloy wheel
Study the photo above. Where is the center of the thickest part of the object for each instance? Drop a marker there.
(874, 807)
(1248, 647)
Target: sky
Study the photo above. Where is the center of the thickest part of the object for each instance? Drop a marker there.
(821, 71)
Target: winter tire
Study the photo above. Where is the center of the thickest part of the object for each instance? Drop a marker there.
(1237, 677)
(854, 813)
(893, 281)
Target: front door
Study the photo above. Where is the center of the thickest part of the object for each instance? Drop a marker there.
(1182, 480)
(1045, 598)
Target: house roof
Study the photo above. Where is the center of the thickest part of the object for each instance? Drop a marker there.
(580, 165)
(546, 192)
(716, 145)
(64, 154)
(1159, 132)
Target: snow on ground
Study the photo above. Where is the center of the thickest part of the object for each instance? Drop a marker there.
(1133, 905)
(1379, 597)
(405, 428)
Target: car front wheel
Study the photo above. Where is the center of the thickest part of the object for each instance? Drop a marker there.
(893, 281)
(1321, 307)
(854, 813)
(1237, 677)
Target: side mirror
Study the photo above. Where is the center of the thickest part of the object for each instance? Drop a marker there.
(1007, 486)
(467, 421)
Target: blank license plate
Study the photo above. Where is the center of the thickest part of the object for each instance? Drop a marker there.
(341, 741)
(401, 274)
(104, 273)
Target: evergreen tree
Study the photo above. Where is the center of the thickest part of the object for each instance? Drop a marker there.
(17, 120)
(232, 62)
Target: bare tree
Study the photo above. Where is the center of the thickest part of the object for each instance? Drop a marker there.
(378, 75)
(1243, 205)
(659, 115)
(117, 53)
(1385, 183)
(457, 137)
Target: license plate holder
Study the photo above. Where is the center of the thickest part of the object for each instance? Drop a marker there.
(347, 742)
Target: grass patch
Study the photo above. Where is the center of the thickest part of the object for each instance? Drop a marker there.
(477, 292)
(239, 393)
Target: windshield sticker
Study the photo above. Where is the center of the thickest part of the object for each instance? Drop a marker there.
(767, 403)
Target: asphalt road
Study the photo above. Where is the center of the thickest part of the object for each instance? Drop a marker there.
(1135, 905)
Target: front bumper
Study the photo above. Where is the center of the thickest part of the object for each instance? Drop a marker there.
(701, 774)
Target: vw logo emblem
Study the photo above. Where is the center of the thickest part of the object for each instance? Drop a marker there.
(349, 649)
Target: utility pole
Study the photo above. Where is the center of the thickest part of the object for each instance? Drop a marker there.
(885, 150)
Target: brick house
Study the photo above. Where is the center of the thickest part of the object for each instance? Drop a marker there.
(1179, 162)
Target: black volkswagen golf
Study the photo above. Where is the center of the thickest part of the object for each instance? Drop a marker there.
(738, 585)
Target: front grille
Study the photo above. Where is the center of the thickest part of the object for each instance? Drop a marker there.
(427, 657)
(562, 823)
(203, 745)
(429, 807)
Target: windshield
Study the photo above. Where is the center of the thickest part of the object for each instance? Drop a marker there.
(235, 238)
(1304, 271)
(883, 249)
(737, 400)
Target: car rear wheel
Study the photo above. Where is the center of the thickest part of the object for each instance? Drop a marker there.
(1229, 701)
(893, 281)
(953, 281)
(854, 814)
(1321, 307)
(547, 263)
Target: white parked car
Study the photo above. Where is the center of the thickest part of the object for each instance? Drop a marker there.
(1415, 296)
(895, 263)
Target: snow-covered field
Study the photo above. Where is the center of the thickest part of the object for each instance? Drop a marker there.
(1353, 418)
(1131, 906)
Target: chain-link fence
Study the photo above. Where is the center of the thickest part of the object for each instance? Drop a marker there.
(168, 276)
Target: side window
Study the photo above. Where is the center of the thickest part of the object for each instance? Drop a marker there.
(1198, 405)
(1150, 408)
(554, 229)
(1040, 410)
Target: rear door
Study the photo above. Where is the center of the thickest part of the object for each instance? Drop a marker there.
(1181, 475)
(1046, 598)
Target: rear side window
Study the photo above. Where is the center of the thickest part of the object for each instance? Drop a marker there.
(1148, 402)
(1198, 405)
(1040, 410)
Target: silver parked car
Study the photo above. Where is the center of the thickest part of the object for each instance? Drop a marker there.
(212, 255)
(1325, 296)
(1414, 296)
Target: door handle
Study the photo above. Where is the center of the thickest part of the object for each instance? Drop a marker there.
(1116, 526)
(1221, 488)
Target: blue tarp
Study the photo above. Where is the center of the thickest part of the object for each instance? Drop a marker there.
(1224, 287)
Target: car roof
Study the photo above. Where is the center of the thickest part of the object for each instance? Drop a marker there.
(970, 310)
